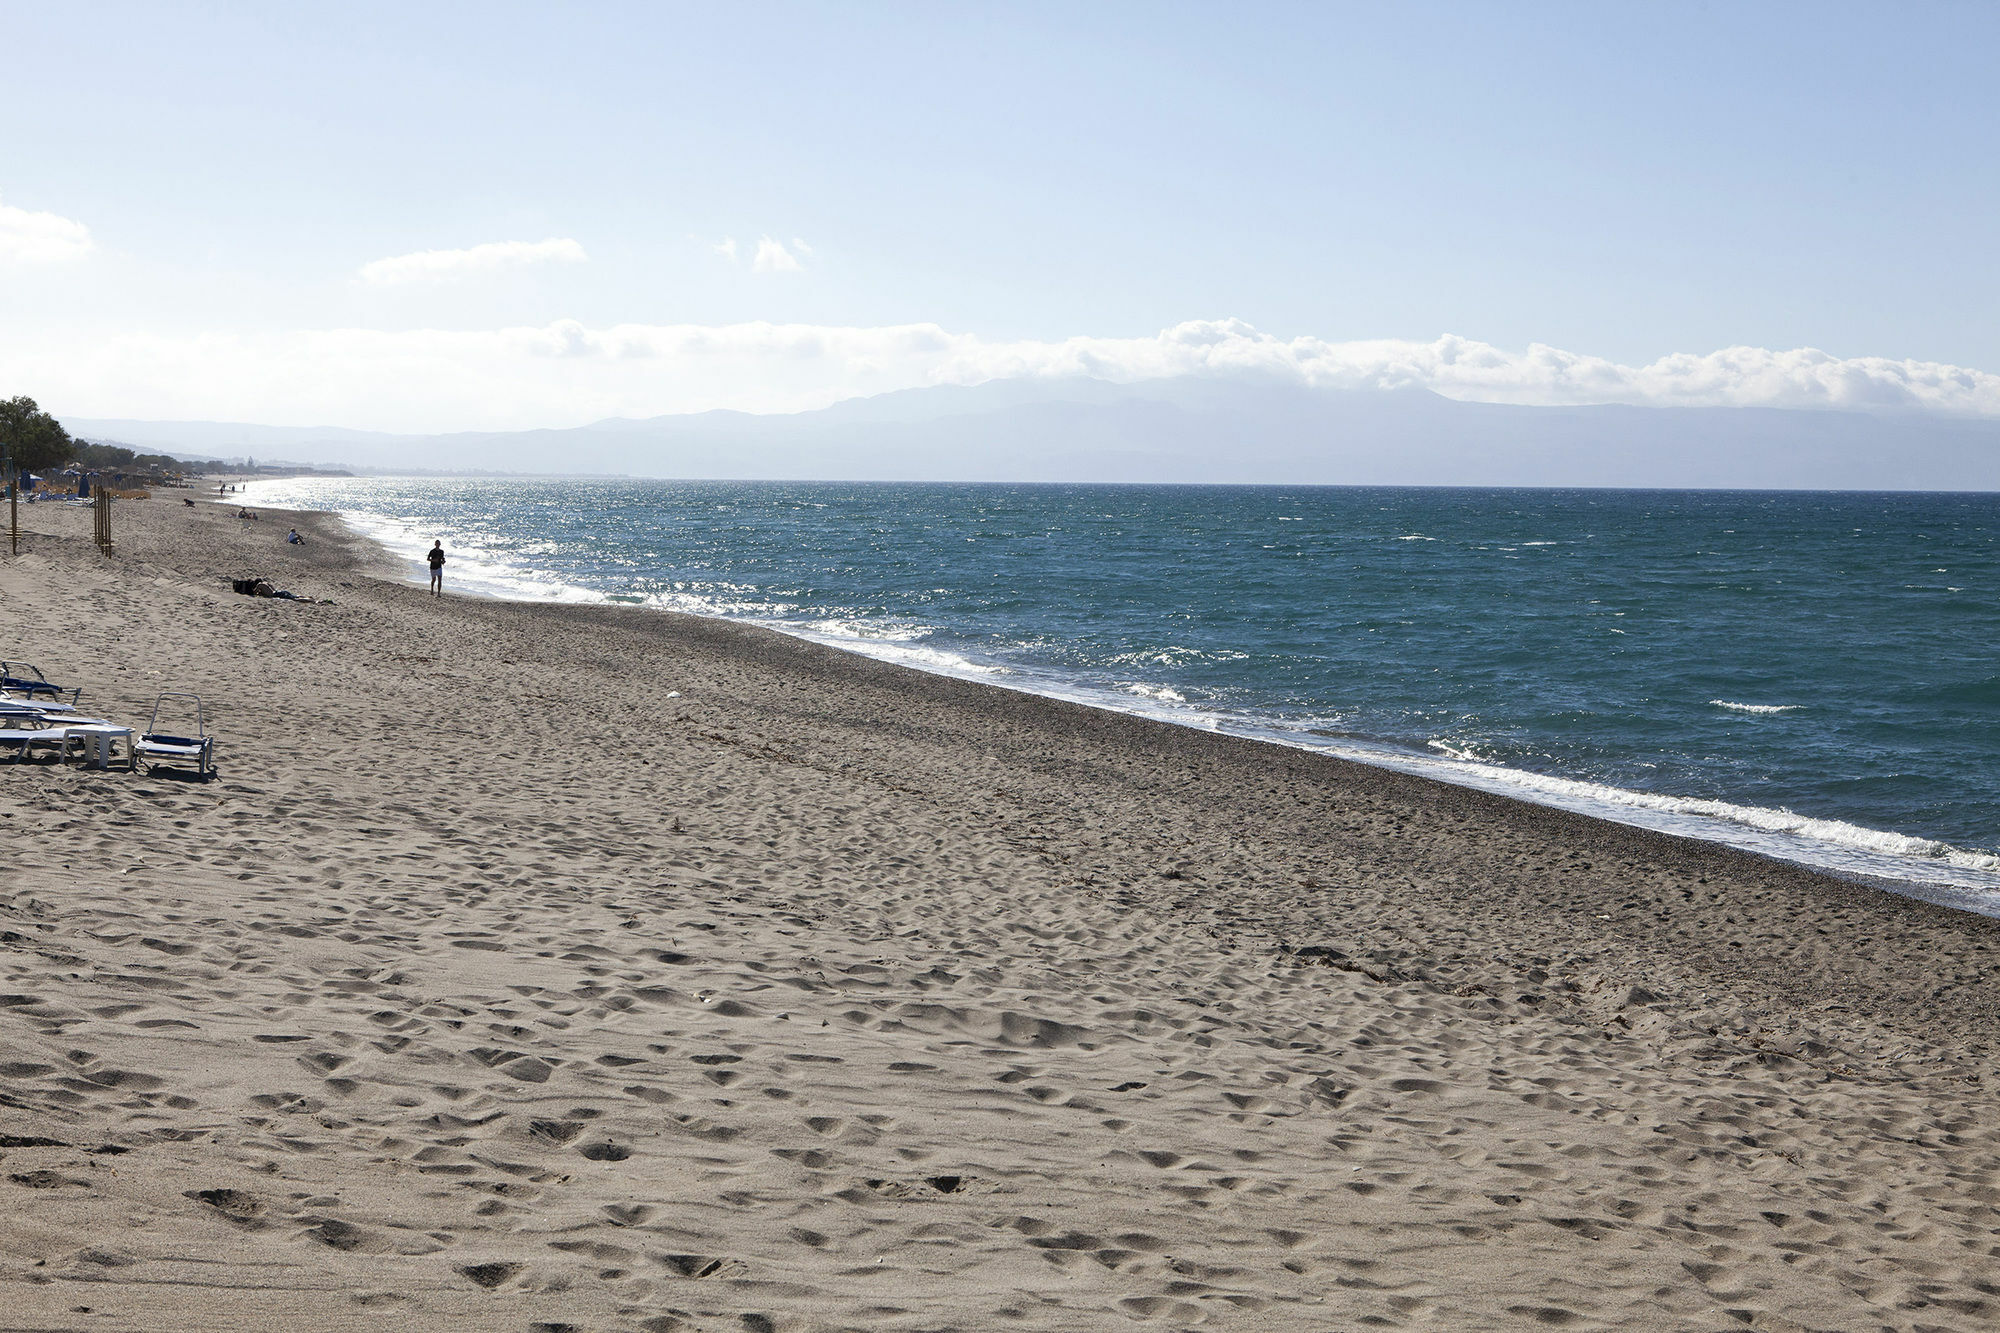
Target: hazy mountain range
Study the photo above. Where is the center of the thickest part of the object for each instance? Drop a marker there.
(1180, 430)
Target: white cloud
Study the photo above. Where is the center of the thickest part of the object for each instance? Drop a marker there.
(443, 265)
(773, 257)
(566, 373)
(41, 238)
(727, 248)
(1462, 368)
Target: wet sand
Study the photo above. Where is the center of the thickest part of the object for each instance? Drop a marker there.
(537, 967)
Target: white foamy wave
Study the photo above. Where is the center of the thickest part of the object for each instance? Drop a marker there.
(1163, 693)
(1173, 656)
(723, 603)
(1755, 708)
(472, 566)
(884, 630)
(1828, 844)
(923, 658)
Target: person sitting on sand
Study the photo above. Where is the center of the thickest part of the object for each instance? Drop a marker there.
(294, 538)
(436, 558)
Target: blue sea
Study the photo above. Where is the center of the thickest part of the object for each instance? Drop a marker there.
(1815, 676)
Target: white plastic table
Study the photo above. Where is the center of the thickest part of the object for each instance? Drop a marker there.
(100, 744)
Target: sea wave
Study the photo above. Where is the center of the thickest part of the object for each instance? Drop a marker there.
(940, 660)
(1755, 708)
(878, 630)
(1831, 843)
(473, 564)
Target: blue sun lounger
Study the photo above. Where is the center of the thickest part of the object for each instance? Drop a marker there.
(157, 747)
(25, 678)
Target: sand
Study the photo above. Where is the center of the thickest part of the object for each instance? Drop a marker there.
(589, 968)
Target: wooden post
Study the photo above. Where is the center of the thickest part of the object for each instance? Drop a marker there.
(103, 507)
(14, 504)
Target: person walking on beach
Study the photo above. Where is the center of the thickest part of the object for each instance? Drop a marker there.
(436, 557)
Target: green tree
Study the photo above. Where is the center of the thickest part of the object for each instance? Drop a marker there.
(30, 438)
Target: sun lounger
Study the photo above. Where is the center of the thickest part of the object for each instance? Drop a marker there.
(22, 729)
(26, 679)
(157, 747)
(47, 715)
(22, 740)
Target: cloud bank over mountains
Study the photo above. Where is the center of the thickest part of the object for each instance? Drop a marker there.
(567, 373)
(1199, 429)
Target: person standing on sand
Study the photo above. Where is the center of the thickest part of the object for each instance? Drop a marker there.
(436, 557)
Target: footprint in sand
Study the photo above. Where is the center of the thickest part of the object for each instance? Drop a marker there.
(554, 1131)
(240, 1208)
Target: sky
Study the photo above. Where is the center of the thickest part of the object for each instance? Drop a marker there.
(437, 216)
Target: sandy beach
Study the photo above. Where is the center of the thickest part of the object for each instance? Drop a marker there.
(542, 967)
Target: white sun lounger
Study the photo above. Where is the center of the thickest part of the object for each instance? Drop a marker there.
(65, 714)
(24, 726)
(22, 740)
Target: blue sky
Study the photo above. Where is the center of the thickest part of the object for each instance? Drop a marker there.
(1622, 182)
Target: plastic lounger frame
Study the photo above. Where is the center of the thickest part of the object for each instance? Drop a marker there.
(27, 678)
(23, 740)
(157, 747)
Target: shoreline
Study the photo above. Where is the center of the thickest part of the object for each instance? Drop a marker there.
(531, 965)
(1149, 735)
(1961, 878)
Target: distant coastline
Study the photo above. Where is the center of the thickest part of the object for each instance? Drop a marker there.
(1185, 430)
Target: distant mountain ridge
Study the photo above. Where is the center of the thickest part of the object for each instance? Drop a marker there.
(1178, 430)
